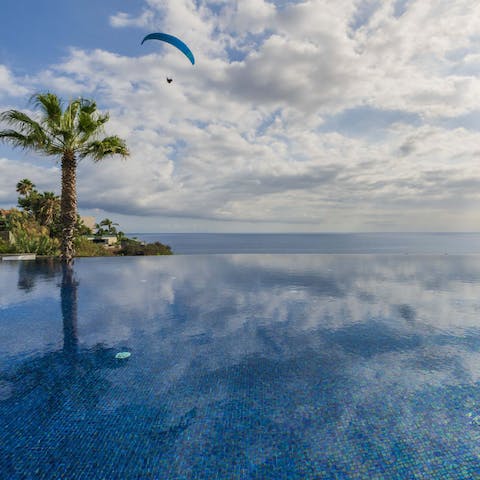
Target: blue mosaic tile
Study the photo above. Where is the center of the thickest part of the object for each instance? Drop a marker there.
(251, 367)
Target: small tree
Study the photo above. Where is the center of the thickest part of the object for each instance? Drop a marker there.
(25, 187)
(43, 207)
(106, 227)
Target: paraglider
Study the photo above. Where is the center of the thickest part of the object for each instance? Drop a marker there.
(176, 42)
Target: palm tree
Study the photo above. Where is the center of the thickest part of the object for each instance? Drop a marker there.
(71, 133)
(48, 208)
(111, 230)
(25, 187)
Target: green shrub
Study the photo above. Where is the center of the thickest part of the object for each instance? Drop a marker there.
(40, 244)
(156, 248)
(6, 247)
(86, 248)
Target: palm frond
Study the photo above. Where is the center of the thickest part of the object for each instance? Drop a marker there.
(87, 106)
(25, 186)
(67, 131)
(70, 113)
(22, 122)
(99, 149)
(89, 124)
(90, 121)
(48, 103)
(51, 108)
(19, 140)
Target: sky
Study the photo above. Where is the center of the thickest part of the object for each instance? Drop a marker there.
(298, 116)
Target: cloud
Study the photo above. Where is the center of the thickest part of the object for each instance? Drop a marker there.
(122, 19)
(358, 115)
(9, 85)
(12, 171)
(252, 16)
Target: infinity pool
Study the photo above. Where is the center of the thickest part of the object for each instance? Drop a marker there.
(241, 366)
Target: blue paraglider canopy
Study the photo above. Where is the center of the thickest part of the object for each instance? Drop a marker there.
(176, 42)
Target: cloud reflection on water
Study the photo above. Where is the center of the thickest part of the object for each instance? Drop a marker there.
(221, 306)
(306, 347)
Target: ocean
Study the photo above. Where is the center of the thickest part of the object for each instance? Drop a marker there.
(299, 243)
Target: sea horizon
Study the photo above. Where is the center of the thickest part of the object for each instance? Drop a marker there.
(318, 243)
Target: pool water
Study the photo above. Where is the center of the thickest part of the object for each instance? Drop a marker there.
(241, 366)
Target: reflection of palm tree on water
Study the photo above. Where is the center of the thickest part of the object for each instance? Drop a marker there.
(68, 295)
(85, 361)
(51, 418)
(66, 382)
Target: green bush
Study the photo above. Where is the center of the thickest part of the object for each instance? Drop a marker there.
(156, 248)
(39, 244)
(86, 248)
(7, 247)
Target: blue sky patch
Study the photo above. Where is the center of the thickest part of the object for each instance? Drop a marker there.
(367, 122)
(34, 37)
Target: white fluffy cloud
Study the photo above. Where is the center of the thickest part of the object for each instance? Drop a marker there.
(122, 19)
(250, 133)
(9, 85)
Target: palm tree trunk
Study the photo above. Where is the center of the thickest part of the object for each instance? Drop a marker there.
(68, 205)
(68, 295)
